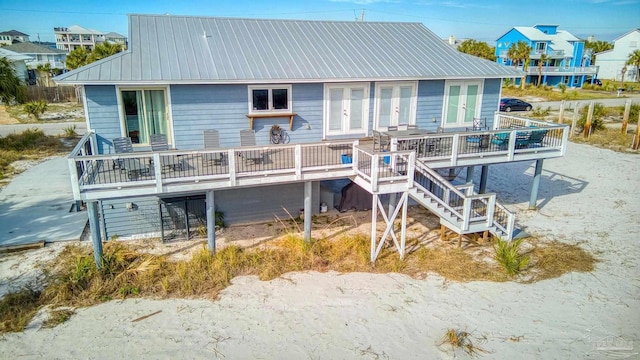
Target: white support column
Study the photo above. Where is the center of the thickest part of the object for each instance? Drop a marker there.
(298, 161)
(232, 167)
(392, 202)
(307, 210)
(157, 167)
(211, 221)
(403, 234)
(374, 225)
(94, 226)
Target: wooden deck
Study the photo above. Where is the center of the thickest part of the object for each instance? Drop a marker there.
(154, 173)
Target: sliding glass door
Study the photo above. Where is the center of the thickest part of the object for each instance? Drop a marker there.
(145, 114)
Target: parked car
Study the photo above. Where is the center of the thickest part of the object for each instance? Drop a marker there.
(511, 104)
(595, 81)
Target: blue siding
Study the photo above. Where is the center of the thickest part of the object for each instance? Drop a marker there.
(490, 100)
(224, 108)
(102, 109)
(430, 102)
(264, 202)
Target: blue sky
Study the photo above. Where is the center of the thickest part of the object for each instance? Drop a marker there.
(477, 19)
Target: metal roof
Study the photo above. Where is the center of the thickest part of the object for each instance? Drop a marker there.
(182, 49)
(12, 55)
(31, 48)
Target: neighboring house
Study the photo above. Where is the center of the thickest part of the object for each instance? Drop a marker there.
(18, 61)
(73, 37)
(568, 61)
(325, 83)
(40, 55)
(12, 37)
(116, 38)
(612, 61)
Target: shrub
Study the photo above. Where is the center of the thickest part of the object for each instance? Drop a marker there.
(35, 108)
(509, 257)
(540, 112)
(562, 87)
(634, 113)
(70, 131)
(597, 121)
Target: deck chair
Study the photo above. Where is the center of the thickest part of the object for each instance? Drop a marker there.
(536, 138)
(121, 145)
(479, 124)
(211, 139)
(248, 138)
(159, 142)
(380, 142)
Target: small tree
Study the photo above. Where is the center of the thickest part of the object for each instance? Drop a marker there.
(520, 52)
(77, 58)
(35, 108)
(478, 48)
(11, 87)
(634, 60)
(103, 50)
(543, 61)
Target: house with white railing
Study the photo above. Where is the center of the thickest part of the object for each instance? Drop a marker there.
(567, 60)
(310, 95)
(612, 62)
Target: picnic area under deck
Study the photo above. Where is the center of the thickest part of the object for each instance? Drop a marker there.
(96, 177)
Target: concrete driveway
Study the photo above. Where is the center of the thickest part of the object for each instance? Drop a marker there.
(555, 105)
(37, 205)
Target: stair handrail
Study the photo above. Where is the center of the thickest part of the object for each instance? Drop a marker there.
(426, 170)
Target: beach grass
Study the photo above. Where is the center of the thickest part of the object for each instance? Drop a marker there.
(29, 144)
(74, 281)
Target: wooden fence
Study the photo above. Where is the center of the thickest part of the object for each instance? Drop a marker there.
(54, 94)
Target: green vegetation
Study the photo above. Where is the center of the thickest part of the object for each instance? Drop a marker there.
(597, 120)
(35, 108)
(478, 48)
(81, 57)
(520, 52)
(28, 144)
(597, 46)
(608, 138)
(509, 256)
(539, 112)
(11, 87)
(74, 281)
(70, 131)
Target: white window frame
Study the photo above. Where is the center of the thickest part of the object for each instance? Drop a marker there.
(445, 101)
(541, 49)
(346, 130)
(395, 98)
(168, 110)
(270, 89)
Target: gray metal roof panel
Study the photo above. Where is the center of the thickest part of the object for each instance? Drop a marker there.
(199, 50)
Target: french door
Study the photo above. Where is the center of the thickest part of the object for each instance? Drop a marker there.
(462, 100)
(395, 104)
(145, 114)
(346, 108)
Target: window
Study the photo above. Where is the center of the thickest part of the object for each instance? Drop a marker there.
(276, 99)
(395, 103)
(145, 114)
(462, 102)
(541, 47)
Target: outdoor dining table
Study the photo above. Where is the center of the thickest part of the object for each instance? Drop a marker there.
(421, 145)
(406, 133)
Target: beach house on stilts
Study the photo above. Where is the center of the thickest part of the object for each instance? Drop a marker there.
(248, 116)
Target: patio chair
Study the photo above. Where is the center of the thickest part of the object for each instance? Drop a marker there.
(479, 124)
(248, 138)
(211, 139)
(536, 138)
(380, 142)
(121, 145)
(159, 142)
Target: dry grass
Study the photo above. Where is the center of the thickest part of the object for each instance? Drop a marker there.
(73, 280)
(30, 144)
(549, 94)
(609, 139)
(461, 340)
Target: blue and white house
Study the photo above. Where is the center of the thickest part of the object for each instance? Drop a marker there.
(568, 61)
(329, 85)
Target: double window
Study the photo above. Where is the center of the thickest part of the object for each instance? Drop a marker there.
(270, 99)
(145, 114)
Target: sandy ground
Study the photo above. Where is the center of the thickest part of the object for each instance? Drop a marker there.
(587, 198)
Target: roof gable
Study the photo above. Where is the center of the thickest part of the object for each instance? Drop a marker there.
(179, 49)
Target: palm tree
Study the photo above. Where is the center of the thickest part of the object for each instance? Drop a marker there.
(597, 47)
(520, 52)
(11, 87)
(543, 61)
(104, 50)
(634, 60)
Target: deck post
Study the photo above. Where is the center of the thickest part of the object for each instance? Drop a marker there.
(469, 179)
(536, 184)
(307, 210)
(393, 200)
(211, 222)
(94, 226)
(374, 223)
(483, 179)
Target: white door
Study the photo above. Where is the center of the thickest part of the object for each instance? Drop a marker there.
(462, 101)
(395, 104)
(347, 108)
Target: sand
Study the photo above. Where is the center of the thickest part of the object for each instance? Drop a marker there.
(590, 198)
